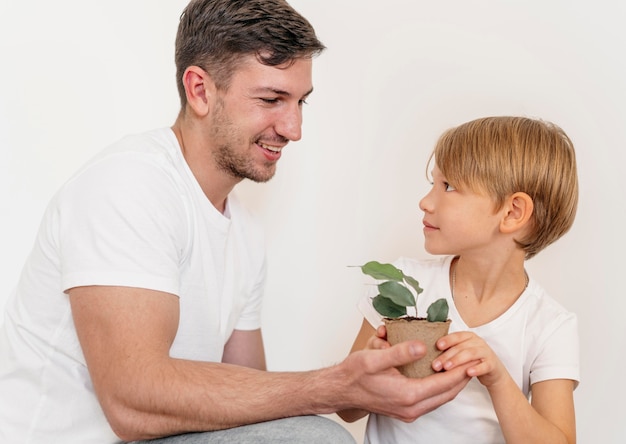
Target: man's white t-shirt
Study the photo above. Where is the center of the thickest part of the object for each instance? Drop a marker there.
(133, 216)
(536, 339)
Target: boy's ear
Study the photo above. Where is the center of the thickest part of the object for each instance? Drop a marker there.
(199, 88)
(518, 209)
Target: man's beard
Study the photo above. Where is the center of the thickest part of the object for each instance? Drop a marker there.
(240, 165)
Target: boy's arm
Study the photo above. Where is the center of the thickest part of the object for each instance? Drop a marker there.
(245, 347)
(548, 418)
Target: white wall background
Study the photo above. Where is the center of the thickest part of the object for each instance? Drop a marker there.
(78, 74)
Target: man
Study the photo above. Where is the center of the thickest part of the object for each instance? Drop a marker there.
(137, 315)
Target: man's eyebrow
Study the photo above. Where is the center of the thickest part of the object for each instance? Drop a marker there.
(279, 92)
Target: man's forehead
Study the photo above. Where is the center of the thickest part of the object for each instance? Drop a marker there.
(291, 79)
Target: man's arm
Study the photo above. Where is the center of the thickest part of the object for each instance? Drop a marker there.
(126, 334)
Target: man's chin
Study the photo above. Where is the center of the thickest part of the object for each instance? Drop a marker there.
(258, 179)
(261, 176)
(256, 175)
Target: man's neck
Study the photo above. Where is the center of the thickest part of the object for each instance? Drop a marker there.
(215, 184)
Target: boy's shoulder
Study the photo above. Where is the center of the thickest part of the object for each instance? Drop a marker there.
(412, 266)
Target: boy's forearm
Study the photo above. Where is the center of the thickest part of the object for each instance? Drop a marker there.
(519, 420)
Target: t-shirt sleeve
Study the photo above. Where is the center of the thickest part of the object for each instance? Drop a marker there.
(122, 222)
(559, 357)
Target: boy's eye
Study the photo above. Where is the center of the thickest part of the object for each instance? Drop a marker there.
(448, 187)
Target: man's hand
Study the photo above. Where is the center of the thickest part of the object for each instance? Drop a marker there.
(379, 387)
(375, 385)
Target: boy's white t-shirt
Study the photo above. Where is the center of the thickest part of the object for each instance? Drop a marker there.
(536, 339)
(133, 216)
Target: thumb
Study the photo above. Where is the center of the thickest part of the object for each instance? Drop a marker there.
(401, 354)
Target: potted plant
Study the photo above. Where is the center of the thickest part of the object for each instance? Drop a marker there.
(397, 292)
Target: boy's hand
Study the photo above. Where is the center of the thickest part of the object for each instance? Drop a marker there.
(464, 347)
(378, 341)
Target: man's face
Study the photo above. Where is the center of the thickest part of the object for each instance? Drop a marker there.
(255, 118)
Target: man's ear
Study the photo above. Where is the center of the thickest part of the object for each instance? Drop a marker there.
(518, 210)
(200, 90)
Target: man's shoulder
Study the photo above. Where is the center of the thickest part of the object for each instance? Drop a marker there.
(134, 155)
(156, 142)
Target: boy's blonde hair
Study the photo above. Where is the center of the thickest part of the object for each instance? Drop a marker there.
(500, 156)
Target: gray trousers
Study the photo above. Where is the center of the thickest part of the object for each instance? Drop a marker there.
(296, 430)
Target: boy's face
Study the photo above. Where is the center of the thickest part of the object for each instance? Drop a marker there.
(457, 220)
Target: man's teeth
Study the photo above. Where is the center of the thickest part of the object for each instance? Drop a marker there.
(274, 149)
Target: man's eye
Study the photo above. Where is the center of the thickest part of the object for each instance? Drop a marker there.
(268, 100)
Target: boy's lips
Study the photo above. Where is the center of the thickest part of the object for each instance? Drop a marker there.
(428, 226)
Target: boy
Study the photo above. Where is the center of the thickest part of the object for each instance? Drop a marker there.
(503, 188)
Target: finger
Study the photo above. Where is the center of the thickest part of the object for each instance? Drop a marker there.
(445, 358)
(376, 343)
(400, 354)
(450, 360)
(381, 332)
(435, 390)
(445, 381)
(480, 368)
(453, 339)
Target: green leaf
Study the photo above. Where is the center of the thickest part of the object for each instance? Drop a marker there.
(382, 271)
(386, 307)
(413, 283)
(397, 292)
(438, 311)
